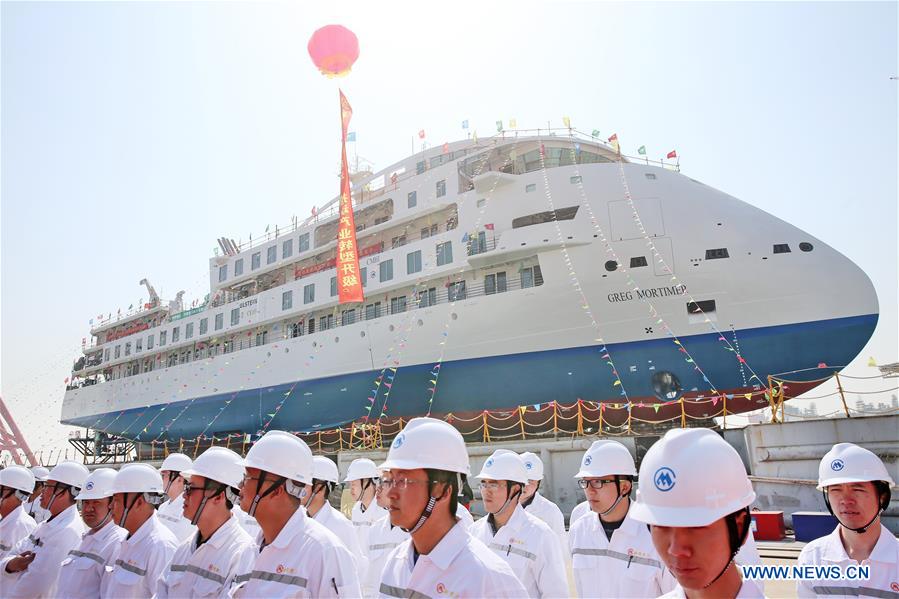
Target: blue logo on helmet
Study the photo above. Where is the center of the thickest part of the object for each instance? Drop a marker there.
(588, 460)
(664, 479)
(398, 442)
(529, 465)
(89, 486)
(837, 465)
(489, 463)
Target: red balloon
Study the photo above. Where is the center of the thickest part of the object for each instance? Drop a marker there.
(333, 49)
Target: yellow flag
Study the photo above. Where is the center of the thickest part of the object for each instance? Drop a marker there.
(567, 121)
(872, 361)
(474, 137)
(747, 395)
(522, 408)
(513, 124)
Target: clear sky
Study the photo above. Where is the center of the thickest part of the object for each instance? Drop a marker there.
(135, 134)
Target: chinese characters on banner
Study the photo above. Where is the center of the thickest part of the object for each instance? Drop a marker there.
(349, 286)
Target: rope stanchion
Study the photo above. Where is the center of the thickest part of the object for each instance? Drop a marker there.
(683, 413)
(486, 429)
(555, 417)
(842, 395)
(580, 419)
(521, 423)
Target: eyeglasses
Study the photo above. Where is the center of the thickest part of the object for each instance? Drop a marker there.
(489, 486)
(188, 489)
(399, 483)
(594, 483)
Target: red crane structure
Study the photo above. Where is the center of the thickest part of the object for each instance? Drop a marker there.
(12, 440)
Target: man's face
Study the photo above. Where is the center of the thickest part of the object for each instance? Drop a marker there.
(855, 504)
(494, 493)
(193, 496)
(406, 493)
(356, 489)
(603, 498)
(529, 489)
(695, 555)
(177, 482)
(118, 506)
(48, 491)
(94, 511)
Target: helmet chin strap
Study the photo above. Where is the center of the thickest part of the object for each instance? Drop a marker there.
(127, 509)
(736, 538)
(860, 530)
(57, 492)
(511, 498)
(106, 518)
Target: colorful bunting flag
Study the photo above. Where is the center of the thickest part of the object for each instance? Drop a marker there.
(351, 136)
(641, 150)
(513, 123)
(566, 121)
(499, 126)
(465, 124)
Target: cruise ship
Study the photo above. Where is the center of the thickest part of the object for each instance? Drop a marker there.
(521, 269)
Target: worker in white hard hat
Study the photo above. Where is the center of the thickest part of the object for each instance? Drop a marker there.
(204, 565)
(612, 554)
(299, 557)
(83, 568)
(33, 505)
(537, 505)
(695, 495)
(523, 541)
(171, 512)
(149, 545)
(362, 477)
(382, 539)
(32, 567)
(16, 485)
(857, 490)
(421, 483)
(324, 478)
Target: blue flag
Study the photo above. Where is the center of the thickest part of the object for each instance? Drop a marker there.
(465, 124)
(351, 136)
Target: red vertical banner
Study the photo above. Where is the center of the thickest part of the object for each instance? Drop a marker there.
(349, 285)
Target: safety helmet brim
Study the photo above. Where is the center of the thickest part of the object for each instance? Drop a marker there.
(681, 517)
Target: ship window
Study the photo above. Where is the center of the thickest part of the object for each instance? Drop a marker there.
(575, 179)
(386, 270)
(701, 307)
(398, 304)
(238, 267)
(412, 199)
(530, 187)
(204, 325)
(456, 291)
(413, 262)
(128, 348)
(444, 253)
(118, 352)
(235, 317)
(716, 254)
(363, 275)
(347, 317)
(304, 243)
(427, 297)
(309, 293)
(531, 276)
(163, 337)
(272, 255)
(287, 248)
(223, 272)
(482, 202)
(425, 233)
(782, 248)
(106, 351)
(650, 175)
(372, 311)
(638, 261)
(495, 283)
(441, 188)
(611, 265)
(806, 246)
(287, 300)
(189, 330)
(255, 261)
(138, 345)
(420, 167)
(333, 286)
(219, 321)
(176, 334)
(398, 241)
(545, 217)
(150, 340)
(326, 322)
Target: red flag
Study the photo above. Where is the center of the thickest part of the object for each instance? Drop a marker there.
(614, 137)
(421, 134)
(349, 286)
(489, 226)
(672, 154)
(446, 148)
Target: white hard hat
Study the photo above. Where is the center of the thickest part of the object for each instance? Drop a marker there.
(40, 473)
(176, 462)
(69, 473)
(428, 443)
(137, 478)
(98, 484)
(361, 468)
(849, 463)
(325, 469)
(218, 464)
(505, 466)
(18, 478)
(282, 454)
(606, 458)
(533, 464)
(691, 477)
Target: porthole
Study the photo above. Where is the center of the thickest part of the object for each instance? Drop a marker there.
(420, 322)
(336, 339)
(362, 333)
(806, 246)
(611, 266)
(390, 328)
(455, 316)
